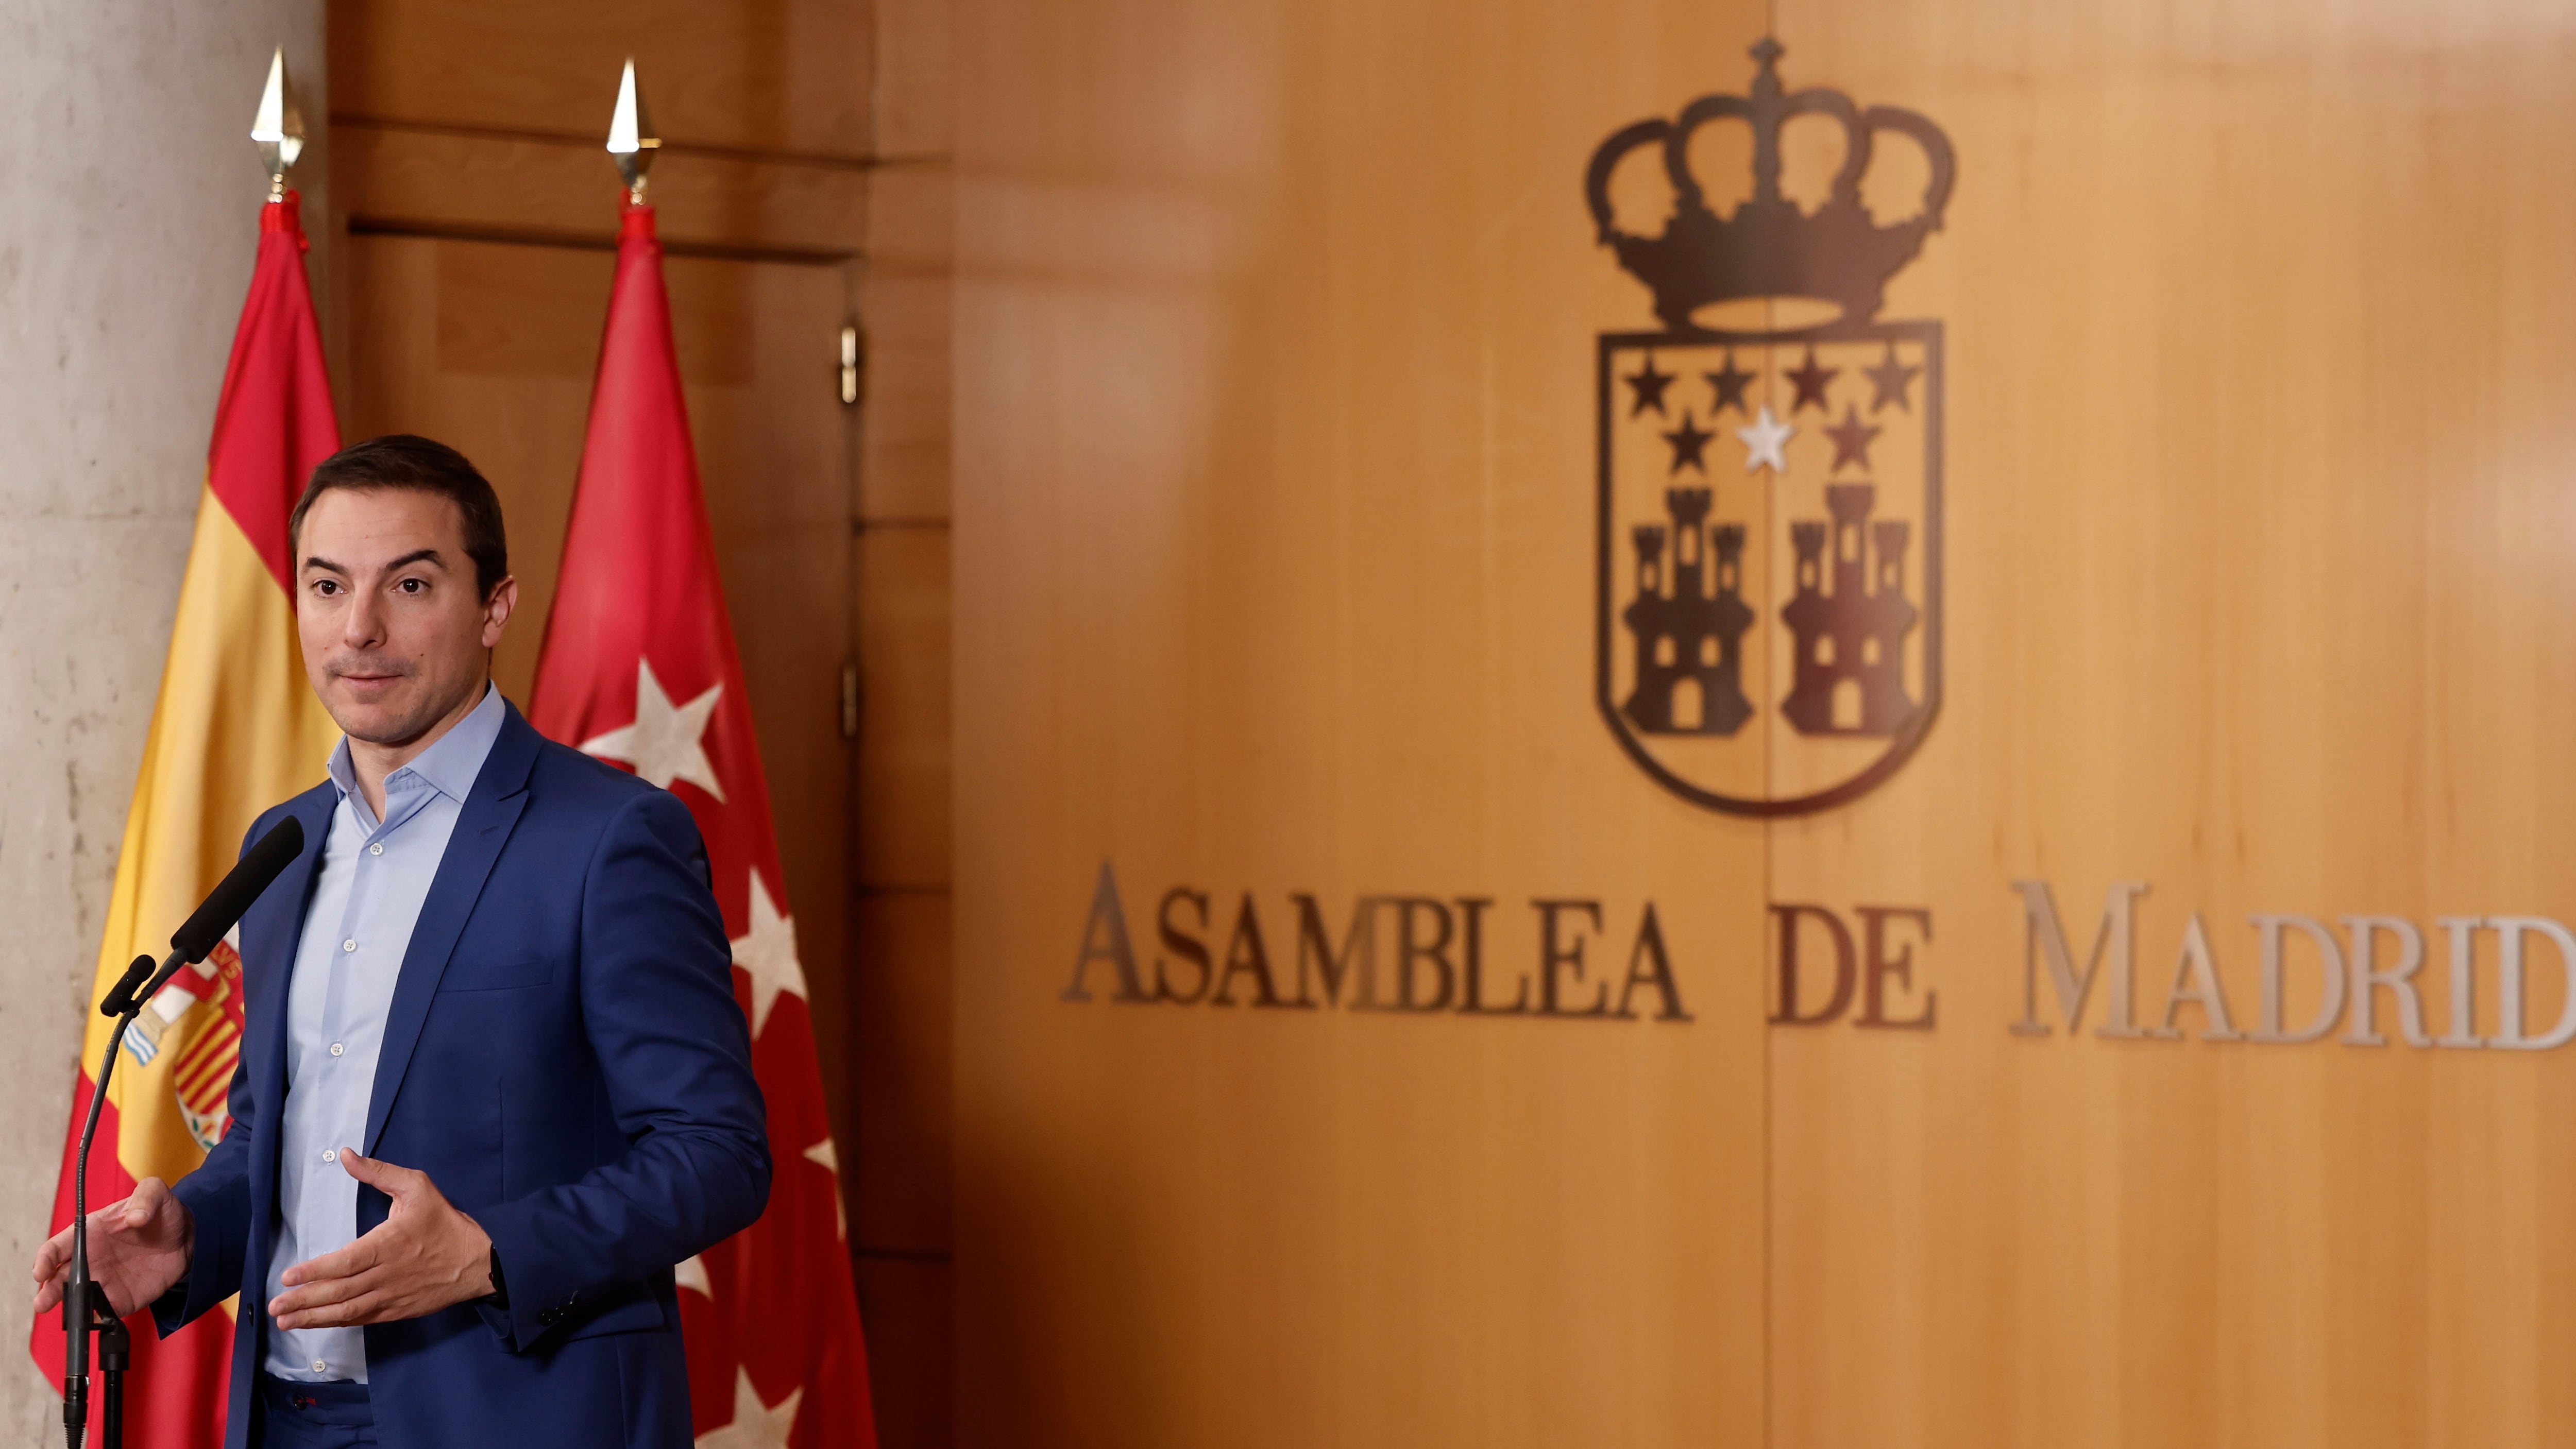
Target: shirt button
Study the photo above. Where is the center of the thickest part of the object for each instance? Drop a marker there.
(375, 850)
(319, 1366)
(336, 1048)
(348, 945)
(330, 1155)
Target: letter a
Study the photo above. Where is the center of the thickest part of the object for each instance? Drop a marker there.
(2195, 979)
(1246, 955)
(1104, 938)
(1648, 965)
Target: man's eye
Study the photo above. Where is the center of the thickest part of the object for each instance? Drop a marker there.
(326, 587)
(411, 586)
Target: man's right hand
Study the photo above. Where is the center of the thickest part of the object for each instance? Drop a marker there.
(138, 1248)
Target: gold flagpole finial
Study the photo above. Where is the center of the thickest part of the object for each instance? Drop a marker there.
(630, 135)
(278, 128)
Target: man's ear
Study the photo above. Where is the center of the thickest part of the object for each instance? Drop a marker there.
(497, 608)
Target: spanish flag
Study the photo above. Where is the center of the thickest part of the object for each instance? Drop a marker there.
(235, 730)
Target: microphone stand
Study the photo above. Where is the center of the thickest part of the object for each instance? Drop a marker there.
(86, 1309)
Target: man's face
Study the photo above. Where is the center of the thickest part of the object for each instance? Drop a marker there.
(396, 636)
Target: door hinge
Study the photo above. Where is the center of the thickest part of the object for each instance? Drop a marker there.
(849, 364)
(849, 700)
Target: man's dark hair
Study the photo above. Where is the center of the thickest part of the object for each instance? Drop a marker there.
(401, 460)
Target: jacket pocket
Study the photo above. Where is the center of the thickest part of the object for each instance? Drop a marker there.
(627, 1308)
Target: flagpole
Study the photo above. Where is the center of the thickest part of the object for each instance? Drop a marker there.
(631, 138)
(278, 129)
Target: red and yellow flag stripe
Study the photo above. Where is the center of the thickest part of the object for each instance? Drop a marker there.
(234, 731)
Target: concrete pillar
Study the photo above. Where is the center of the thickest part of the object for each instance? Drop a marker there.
(129, 190)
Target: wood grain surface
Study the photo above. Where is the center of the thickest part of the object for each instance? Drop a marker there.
(1275, 448)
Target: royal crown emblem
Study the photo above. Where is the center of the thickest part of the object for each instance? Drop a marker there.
(1769, 612)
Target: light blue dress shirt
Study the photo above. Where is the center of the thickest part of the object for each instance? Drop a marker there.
(375, 874)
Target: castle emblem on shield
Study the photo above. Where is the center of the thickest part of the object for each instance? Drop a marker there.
(1769, 630)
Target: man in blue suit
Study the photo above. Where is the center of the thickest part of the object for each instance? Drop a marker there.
(494, 1082)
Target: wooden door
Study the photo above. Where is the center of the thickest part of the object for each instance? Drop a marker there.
(491, 347)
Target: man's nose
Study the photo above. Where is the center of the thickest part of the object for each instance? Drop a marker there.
(364, 624)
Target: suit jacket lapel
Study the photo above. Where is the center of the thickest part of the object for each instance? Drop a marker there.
(482, 827)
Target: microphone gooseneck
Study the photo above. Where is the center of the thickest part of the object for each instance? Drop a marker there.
(85, 1305)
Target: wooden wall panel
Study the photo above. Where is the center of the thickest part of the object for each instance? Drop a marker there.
(1274, 443)
(1273, 554)
(903, 1214)
(407, 177)
(903, 705)
(2254, 432)
(760, 76)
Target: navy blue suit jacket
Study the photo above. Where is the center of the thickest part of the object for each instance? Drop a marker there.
(564, 1057)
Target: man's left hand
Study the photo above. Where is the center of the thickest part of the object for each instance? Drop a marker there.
(425, 1256)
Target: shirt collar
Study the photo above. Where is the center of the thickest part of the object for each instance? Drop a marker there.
(451, 763)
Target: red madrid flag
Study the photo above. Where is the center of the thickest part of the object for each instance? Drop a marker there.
(639, 668)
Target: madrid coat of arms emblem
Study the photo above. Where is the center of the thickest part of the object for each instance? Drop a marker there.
(1769, 612)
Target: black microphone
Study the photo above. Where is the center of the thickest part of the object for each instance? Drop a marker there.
(267, 859)
(263, 862)
(120, 998)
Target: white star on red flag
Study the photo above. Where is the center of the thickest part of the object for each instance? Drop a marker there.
(769, 954)
(664, 742)
(693, 1275)
(825, 1153)
(755, 1425)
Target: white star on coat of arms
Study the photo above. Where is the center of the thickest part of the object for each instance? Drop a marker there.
(768, 954)
(665, 742)
(1763, 440)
